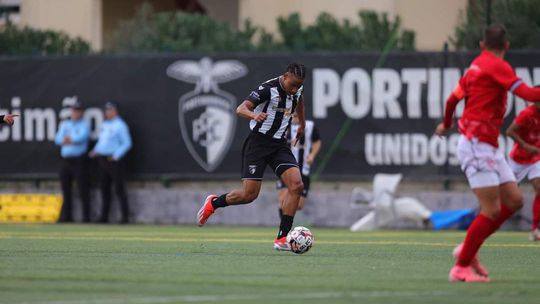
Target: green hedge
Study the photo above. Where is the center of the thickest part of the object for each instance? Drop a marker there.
(149, 31)
(28, 41)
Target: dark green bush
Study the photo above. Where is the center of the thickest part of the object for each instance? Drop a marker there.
(28, 41)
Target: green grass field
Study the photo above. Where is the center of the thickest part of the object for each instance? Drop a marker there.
(77, 264)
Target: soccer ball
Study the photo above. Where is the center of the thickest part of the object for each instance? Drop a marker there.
(300, 239)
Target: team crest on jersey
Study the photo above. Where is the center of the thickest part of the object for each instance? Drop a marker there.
(206, 114)
(252, 169)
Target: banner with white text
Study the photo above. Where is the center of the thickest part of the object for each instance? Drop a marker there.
(374, 114)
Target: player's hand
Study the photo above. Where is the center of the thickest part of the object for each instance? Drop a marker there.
(299, 134)
(310, 159)
(532, 149)
(8, 119)
(67, 140)
(260, 117)
(441, 130)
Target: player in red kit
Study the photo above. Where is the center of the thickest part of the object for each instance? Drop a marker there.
(525, 156)
(484, 87)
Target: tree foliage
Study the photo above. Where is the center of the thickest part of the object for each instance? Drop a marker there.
(372, 32)
(149, 31)
(520, 17)
(28, 41)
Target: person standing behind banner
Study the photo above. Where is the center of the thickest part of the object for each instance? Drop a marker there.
(305, 153)
(113, 143)
(73, 136)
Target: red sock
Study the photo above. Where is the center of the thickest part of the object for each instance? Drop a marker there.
(536, 212)
(480, 229)
(505, 214)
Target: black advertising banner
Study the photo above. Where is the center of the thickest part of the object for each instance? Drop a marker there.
(374, 114)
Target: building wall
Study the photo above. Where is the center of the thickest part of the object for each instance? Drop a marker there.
(80, 18)
(432, 20)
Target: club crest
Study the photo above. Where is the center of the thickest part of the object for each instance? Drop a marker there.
(252, 169)
(207, 114)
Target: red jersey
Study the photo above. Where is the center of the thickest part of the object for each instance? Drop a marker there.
(484, 86)
(528, 121)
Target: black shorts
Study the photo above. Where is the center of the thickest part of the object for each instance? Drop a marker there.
(305, 179)
(260, 150)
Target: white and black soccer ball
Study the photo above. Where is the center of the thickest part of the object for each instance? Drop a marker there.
(300, 239)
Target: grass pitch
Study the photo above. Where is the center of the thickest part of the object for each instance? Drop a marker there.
(79, 264)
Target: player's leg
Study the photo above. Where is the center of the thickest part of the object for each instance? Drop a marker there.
(105, 181)
(66, 179)
(245, 195)
(479, 230)
(479, 163)
(81, 173)
(535, 231)
(117, 174)
(281, 198)
(254, 154)
(306, 181)
(511, 201)
(292, 179)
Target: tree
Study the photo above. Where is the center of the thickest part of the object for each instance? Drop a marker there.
(149, 31)
(520, 17)
(373, 32)
(28, 41)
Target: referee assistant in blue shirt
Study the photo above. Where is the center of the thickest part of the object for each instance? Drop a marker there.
(113, 143)
(73, 136)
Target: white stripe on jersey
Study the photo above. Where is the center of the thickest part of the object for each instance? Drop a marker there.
(274, 102)
(308, 132)
(273, 108)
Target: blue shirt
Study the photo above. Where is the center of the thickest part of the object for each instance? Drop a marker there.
(79, 133)
(114, 139)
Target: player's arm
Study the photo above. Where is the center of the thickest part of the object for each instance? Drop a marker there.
(522, 90)
(315, 148)
(451, 104)
(245, 110)
(513, 132)
(300, 112)
(505, 75)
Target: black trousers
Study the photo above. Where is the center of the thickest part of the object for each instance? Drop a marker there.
(74, 168)
(112, 172)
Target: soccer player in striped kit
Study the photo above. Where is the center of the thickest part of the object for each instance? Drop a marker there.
(525, 156)
(484, 87)
(269, 108)
(305, 153)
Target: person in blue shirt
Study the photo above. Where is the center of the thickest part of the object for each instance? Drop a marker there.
(73, 136)
(113, 143)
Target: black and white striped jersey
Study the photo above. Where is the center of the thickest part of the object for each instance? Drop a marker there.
(302, 149)
(272, 99)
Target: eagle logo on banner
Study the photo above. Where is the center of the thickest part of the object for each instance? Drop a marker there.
(207, 114)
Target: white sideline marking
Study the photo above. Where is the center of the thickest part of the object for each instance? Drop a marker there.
(249, 241)
(248, 297)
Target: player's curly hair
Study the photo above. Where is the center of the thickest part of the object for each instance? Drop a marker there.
(297, 69)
